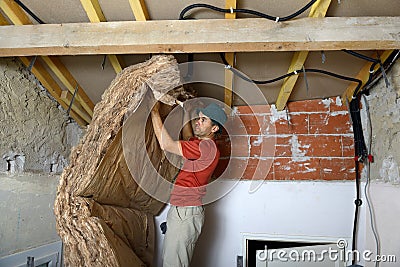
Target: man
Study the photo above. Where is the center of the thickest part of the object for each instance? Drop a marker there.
(186, 215)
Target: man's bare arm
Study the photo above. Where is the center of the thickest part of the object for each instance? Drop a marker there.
(187, 131)
(164, 139)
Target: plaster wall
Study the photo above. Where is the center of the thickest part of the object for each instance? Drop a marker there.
(35, 133)
(36, 136)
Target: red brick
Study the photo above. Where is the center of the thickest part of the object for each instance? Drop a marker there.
(337, 169)
(253, 110)
(268, 127)
(320, 145)
(246, 124)
(347, 146)
(335, 108)
(315, 105)
(270, 146)
(325, 124)
(298, 124)
(258, 169)
(288, 169)
(240, 146)
(224, 146)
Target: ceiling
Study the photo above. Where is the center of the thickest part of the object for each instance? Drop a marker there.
(88, 71)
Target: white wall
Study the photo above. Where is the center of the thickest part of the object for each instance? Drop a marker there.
(385, 199)
(26, 209)
(287, 208)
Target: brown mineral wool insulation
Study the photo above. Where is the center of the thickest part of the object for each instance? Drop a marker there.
(103, 217)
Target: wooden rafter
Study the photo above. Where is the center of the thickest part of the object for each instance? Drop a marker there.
(3, 20)
(318, 10)
(47, 81)
(18, 17)
(52, 87)
(69, 81)
(230, 58)
(139, 10)
(363, 75)
(95, 14)
(200, 36)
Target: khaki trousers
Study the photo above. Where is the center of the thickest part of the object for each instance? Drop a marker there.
(183, 229)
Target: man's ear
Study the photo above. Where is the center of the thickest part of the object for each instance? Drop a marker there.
(215, 128)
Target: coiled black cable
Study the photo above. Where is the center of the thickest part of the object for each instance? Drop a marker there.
(246, 11)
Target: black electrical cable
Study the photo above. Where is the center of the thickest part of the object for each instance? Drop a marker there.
(375, 76)
(246, 11)
(239, 74)
(361, 154)
(353, 53)
(189, 73)
(27, 10)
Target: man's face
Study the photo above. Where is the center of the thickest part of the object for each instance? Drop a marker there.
(203, 127)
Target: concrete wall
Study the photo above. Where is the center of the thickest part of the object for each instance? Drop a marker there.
(34, 132)
(35, 141)
(26, 206)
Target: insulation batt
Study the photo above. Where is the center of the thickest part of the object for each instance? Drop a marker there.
(102, 216)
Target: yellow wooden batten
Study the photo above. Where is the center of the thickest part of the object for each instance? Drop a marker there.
(95, 14)
(363, 75)
(230, 58)
(139, 10)
(318, 10)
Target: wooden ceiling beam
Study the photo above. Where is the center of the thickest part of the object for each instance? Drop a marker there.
(139, 10)
(230, 58)
(318, 10)
(95, 14)
(201, 36)
(18, 17)
(363, 75)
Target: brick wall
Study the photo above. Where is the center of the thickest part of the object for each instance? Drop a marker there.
(311, 140)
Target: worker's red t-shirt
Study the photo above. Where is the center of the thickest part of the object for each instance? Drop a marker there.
(200, 159)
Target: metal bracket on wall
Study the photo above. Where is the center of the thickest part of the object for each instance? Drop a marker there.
(73, 98)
